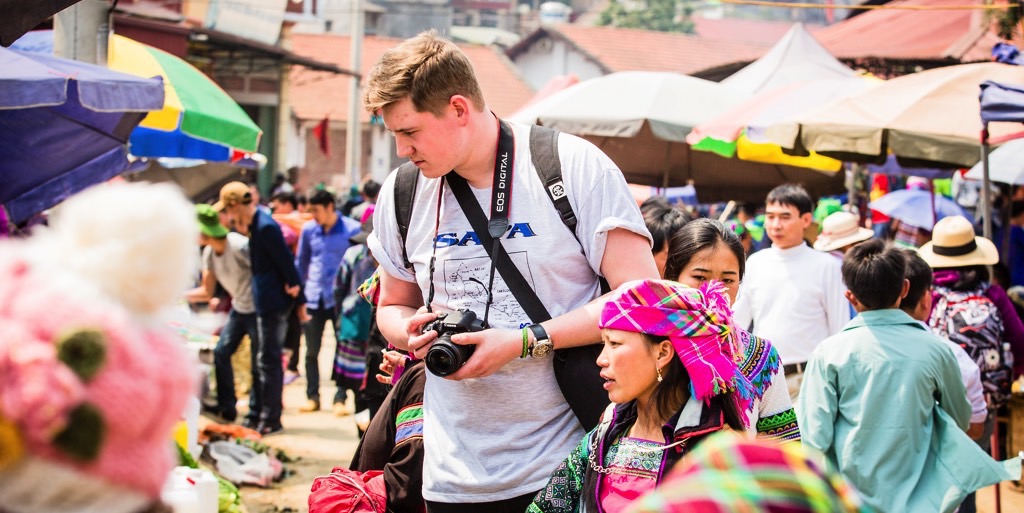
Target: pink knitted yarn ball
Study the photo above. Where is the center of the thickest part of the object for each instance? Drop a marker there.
(139, 388)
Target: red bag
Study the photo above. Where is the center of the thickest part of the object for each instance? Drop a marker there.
(348, 491)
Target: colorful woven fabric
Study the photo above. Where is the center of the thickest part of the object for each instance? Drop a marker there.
(350, 360)
(409, 423)
(370, 289)
(729, 474)
(562, 493)
(697, 321)
(759, 362)
(781, 426)
(632, 469)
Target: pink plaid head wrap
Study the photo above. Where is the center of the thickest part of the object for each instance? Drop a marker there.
(698, 322)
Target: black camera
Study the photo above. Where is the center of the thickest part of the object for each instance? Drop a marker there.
(445, 357)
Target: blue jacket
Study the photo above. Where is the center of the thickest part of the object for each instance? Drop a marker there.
(272, 265)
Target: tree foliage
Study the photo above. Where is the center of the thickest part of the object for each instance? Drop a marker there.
(660, 15)
(1009, 22)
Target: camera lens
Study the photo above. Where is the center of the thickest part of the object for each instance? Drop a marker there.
(442, 359)
(445, 357)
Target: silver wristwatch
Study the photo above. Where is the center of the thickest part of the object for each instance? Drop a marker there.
(542, 346)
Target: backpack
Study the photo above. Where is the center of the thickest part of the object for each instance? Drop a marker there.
(576, 369)
(971, 320)
(348, 491)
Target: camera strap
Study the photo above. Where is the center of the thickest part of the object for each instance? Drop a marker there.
(501, 203)
(490, 231)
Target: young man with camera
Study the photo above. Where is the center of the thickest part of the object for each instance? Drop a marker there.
(497, 426)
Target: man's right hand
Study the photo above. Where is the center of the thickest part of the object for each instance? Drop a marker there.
(420, 342)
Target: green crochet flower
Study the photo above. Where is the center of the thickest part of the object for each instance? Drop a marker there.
(84, 351)
(84, 434)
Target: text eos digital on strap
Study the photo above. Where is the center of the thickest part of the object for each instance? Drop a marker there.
(501, 203)
(501, 189)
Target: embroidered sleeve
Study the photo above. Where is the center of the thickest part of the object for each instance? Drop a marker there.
(762, 366)
(781, 426)
(760, 363)
(409, 424)
(562, 493)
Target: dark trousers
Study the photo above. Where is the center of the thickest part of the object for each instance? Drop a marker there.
(318, 318)
(292, 338)
(268, 385)
(513, 505)
(969, 505)
(231, 334)
(374, 392)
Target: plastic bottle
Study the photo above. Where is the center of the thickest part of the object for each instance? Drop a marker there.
(207, 490)
(192, 420)
(179, 494)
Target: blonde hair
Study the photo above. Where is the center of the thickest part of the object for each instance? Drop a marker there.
(427, 69)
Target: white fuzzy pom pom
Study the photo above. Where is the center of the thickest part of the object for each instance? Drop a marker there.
(137, 242)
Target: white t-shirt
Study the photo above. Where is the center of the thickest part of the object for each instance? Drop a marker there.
(971, 375)
(233, 271)
(500, 437)
(794, 297)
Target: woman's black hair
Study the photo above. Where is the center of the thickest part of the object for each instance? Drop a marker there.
(663, 221)
(674, 390)
(971, 277)
(696, 236)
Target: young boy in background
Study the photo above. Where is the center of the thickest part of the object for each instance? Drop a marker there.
(884, 401)
(918, 304)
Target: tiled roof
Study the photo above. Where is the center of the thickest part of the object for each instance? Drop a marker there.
(621, 49)
(750, 31)
(316, 94)
(912, 34)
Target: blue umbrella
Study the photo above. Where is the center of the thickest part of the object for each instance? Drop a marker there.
(893, 167)
(64, 126)
(918, 208)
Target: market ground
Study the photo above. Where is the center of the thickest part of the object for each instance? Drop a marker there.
(322, 441)
(319, 441)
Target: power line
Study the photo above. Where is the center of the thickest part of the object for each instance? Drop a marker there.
(897, 7)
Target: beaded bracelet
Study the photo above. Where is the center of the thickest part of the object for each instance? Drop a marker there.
(526, 343)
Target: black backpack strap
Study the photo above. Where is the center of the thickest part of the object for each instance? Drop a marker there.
(406, 179)
(544, 154)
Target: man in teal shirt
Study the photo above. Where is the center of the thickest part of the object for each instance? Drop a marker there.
(884, 401)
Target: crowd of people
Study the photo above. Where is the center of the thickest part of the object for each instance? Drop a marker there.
(292, 272)
(523, 336)
(860, 370)
(518, 334)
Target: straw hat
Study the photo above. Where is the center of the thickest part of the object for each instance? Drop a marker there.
(839, 230)
(954, 244)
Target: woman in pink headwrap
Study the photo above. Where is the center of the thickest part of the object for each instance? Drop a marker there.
(669, 364)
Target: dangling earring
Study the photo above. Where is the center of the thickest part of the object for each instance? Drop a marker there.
(659, 374)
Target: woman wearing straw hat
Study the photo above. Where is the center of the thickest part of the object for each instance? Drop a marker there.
(840, 231)
(669, 368)
(971, 311)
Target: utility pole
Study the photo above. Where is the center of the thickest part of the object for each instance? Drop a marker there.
(80, 32)
(354, 132)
